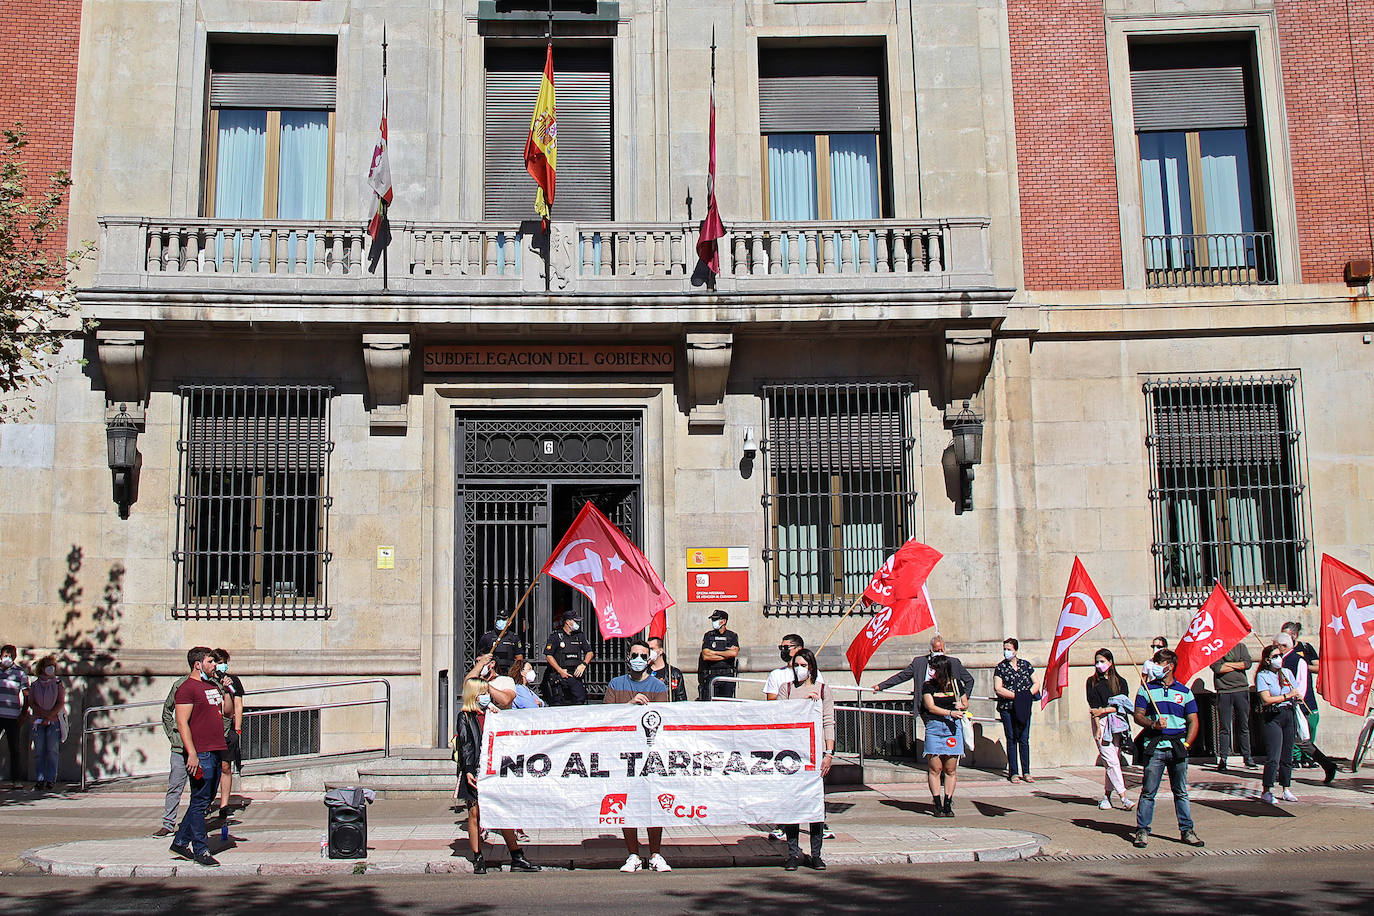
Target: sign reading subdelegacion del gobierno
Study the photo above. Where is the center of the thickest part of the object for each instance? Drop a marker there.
(549, 358)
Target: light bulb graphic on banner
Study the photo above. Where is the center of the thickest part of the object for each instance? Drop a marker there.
(650, 723)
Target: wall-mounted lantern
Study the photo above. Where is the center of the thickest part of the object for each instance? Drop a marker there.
(121, 441)
(968, 451)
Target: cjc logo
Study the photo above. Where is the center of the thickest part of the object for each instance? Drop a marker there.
(613, 809)
(668, 803)
(665, 801)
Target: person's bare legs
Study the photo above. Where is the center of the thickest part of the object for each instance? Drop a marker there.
(655, 840)
(512, 845)
(474, 829)
(226, 782)
(933, 770)
(631, 835)
(951, 769)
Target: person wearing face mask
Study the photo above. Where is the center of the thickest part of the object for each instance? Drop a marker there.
(659, 668)
(788, 647)
(1167, 710)
(1278, 699)
(200, 721)
(1109, 704)
(919, 671)
(1233, 704)
(467, 746)
(805, 683)
(503, 642)
(14, 687)
(1159, 642)
(719, 649)
(568, 653)
(47, 703)
(1299, 675)
(521, 675)
(1013, 680)
(639, 687)
(231, 689)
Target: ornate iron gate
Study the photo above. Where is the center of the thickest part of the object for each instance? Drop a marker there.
(521, 481)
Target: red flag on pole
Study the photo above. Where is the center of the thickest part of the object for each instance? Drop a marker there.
(1083, 610)
(899, 587)
(379, 171)
(712, 229)
(596, 558)
(1217, 626)
(1347, 641)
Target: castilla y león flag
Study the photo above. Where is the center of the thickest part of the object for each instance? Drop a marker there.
(1217, 626)
(596, 558)
(899, 588)
(1347, 647)
(1083, 610)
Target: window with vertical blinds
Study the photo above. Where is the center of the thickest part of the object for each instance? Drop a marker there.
(582, 90)
(253, 501)
(1227, 484)
(839, 489)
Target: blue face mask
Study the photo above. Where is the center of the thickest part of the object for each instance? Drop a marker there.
(484, 701)
(221, 668)
(500, 625)
(638, 664)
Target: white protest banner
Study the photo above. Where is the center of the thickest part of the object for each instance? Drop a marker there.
(665, 765)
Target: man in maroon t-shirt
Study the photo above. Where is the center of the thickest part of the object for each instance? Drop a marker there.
(200, 723)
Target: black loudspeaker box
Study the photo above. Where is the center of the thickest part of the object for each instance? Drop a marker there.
(348, 832)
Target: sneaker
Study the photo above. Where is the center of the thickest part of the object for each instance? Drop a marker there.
(183, 851)
(1250, 765)
(827, 834)
(164, 831)
(1140, 839)
(1288, 795)
(1192, 839)
(205, 860)
(1267, 797)
(633, 863)
(1105, 804)
(790, 864)
(1127, 803)
(777, 833)
(658, 863)
(815, 862)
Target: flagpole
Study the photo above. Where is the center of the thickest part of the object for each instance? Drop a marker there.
(1139, 670)
(510, 621)
(548, 231)
(852, 607)
(386, 103)
(710, 175)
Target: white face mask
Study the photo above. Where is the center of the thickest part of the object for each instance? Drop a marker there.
(50, 671)
(653, 655)
(6, 661)
(576, 626)
(718, 624)
(529, 675)
(802, 672)
(1008, 654)
(500, 625)
(1276, 661)
(936, 653)
(1151, 670)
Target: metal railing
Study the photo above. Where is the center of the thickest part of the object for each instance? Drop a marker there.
(87, 729)
(860, 709)
(1215, 259)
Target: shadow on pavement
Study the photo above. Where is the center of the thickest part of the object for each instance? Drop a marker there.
(1121, 830)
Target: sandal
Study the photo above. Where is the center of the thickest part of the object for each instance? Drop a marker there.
(1013, 778)
(1027, 778)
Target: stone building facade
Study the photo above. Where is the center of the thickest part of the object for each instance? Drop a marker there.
(346, 473)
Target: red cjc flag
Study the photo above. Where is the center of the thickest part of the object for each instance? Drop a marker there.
(1083, 610)
(899, 587)
(1347, 641)
(596, 558)
(1217, 626)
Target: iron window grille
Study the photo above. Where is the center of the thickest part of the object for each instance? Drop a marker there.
(839, 492)
(1227, 490)
(275, 732)
(253, 502)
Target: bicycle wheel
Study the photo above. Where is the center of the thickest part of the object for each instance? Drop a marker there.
(1362, 746)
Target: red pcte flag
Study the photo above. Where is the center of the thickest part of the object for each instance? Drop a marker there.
(1217, 626)
(596, 558)
(1083, 610)
(1347, 640)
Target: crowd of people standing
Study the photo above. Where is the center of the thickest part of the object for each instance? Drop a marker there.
(34, 699)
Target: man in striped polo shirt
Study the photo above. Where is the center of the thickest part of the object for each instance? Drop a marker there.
(1167, 711)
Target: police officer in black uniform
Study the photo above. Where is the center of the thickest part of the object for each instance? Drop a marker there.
(719, 649)
(504, 647)
(568, 654)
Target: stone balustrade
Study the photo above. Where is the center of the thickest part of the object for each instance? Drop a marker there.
(593, 257)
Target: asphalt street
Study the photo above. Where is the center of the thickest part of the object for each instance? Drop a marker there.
(1236, 885)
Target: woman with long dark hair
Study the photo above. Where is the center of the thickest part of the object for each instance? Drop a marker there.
(804, 685)
(943, 704)
(1110, 726)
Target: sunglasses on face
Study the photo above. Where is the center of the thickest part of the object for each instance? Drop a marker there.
(643, 655)
(1158, 646)
(786, 646)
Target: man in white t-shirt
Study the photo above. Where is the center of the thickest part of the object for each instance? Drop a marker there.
(787, 648)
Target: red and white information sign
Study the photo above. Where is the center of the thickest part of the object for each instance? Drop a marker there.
(717, 585)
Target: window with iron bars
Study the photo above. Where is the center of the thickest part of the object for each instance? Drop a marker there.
(839, 490)
(1227, 490)
(253, 502)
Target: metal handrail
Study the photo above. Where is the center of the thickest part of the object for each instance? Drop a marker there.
(87, 729)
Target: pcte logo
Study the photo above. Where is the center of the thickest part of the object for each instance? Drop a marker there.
(669, 803)
(613, 809)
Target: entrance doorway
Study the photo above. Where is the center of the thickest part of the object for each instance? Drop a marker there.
(521, 479)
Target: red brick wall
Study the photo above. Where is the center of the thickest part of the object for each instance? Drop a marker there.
(1325, 133)
(1066, 163)
(38, 41)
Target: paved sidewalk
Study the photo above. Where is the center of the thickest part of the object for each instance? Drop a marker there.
(106, 833)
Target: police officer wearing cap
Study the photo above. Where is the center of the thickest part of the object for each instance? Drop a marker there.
(504, 647)
(568, 654)
(719, 649)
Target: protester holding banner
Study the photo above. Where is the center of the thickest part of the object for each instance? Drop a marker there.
(943, 703)
(1013, 680)
(638, 685)
(468, 745)
(1278, 701)
(806, 684)
(1108, 702)
(1167, 710)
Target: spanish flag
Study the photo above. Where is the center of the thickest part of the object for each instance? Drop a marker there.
(541, 149)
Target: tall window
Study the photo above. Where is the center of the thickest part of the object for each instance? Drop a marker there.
(1227, 484)
(253, 500)
(582, 81)
(1202, 177)
(839, 489)
(821, 115)
(271, 132)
